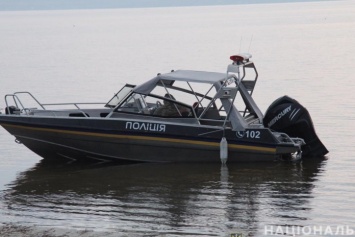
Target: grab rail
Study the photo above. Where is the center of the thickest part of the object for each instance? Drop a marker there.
(16, 101)
(75, 104)
(26, 92)
(19, 104)
(286, 138)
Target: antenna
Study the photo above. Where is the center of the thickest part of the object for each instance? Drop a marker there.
(251, 39)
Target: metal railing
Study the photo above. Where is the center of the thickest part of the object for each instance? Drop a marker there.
(17, 102)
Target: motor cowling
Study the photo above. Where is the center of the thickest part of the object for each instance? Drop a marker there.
(288, 116)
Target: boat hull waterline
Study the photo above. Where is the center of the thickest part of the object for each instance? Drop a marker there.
(86, 144)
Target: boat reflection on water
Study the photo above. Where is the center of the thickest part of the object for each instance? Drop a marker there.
(195, 199)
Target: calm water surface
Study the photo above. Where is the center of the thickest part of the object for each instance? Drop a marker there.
(304, 50)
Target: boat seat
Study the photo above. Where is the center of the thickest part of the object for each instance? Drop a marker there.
(211, 113)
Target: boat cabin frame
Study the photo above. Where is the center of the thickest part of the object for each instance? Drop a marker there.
(216, 106)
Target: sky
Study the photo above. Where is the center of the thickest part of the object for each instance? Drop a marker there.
(14, 5)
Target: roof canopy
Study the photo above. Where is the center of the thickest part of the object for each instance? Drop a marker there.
(181, 75)
(193, 76)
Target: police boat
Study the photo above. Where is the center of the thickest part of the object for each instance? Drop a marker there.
(180, 116)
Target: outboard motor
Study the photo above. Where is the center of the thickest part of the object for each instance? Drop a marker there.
(288, 116)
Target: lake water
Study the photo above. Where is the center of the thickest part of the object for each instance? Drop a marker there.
(304, 50)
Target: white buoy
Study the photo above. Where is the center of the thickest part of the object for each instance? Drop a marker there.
(223, 146)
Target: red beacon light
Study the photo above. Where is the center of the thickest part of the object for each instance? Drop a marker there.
(237, 58)
(240, 57)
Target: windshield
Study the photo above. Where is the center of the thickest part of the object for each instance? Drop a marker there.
(156, 106)
(119, 96)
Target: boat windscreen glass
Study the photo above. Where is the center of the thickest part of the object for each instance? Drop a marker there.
(119, 96)
(158, 106)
